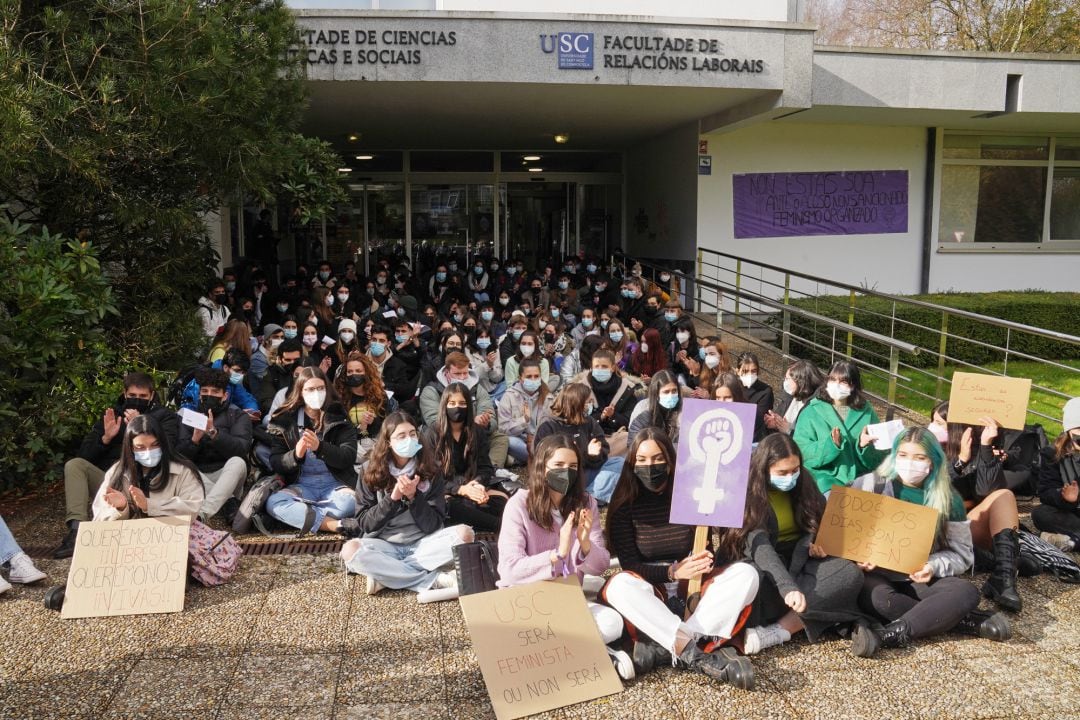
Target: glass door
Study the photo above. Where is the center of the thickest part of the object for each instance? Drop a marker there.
(599, 213)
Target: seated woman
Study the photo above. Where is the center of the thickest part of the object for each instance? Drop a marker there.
(620, 343)
(759, 392)
(150, 479)
(801, 381)
(832, 434)
(22, 569)
(551, 529)
(313, 446)
(461, 455)
(528, 348)
(728, 388)
(405, 544)
(801, 587)
(234, 335)
(523, 407)
(1058, 515)
(661, 409)
(347, 343)
(714, 363)
(936, 598)
(363, 395)
(577, 364)
(657, 560)
(570, 417)
(612, 393)
(650, 357)
(484, 358)
(979, 478)
(684, 358)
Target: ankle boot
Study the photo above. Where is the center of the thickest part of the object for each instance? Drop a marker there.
(991, 626)
(648, 655)
(66, 548)
(984, 560)
(724, 665)
(896, 634)
(864, 641)
(1001, 587)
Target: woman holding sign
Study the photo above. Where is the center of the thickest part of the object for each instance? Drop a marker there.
(832, 430)
(551, 530)
(1059, 484)
(658, 561)
(935, 598)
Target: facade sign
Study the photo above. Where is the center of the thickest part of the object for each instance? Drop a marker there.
(575, 50)
(704, 165)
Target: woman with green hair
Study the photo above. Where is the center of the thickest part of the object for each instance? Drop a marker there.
(935, 598)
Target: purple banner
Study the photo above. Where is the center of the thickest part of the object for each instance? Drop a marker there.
(856, 202)
(713, 463)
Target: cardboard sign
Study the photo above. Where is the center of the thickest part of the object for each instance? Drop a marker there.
(976, 396)
(884, 433)
(713, 463)
(193, 419)
(539, 648)
(128, 567)
(871, 528)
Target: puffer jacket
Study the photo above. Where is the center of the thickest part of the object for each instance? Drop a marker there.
(337, 446)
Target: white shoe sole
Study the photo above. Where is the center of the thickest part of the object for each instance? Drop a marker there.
(437, 595)
(4, 586)
(27, 579)
(624, 666)
(373, 586)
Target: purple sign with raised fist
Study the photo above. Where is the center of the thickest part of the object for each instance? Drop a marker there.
(713, 463)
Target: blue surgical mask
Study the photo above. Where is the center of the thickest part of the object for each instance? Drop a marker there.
(627, 294)
(282, 307)
(487, 315)
(440, 277)
(483, 343)
(290, 334)
(406, 448)
(400, 338)
(478, 270)
(563, 284)
(236, 378)
(586, 322)
(531, 385)
(601, 287)
(601, 374)
(511, 270)
(148, 458)
(590, 268)
(784, 483)
(377, 349)
(669, 401)
(401, 312)
(516, 334)
(603, 324)
(670, 317)
(555, 312)
(615, 336)
(701, 353)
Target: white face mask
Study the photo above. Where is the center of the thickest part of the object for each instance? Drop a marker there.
(789, 386)
(912, 472)
(347, 336)
(712, 361)
(682, 337)
(314, 399)
(748, 380)
(837, 391)
(526, 350)
(274, 342)
(644, 347)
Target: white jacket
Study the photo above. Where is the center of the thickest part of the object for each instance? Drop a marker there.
(183, 494)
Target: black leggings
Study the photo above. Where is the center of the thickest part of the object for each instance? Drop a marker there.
(930, 608)
(1055, 520)
(481, 518)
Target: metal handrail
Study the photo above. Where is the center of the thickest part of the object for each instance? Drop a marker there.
(956, 312)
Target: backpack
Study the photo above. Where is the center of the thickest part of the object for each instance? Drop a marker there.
(1050, 559)
(255, 500)
(214, 555)
(174, 395)
(1025, 457)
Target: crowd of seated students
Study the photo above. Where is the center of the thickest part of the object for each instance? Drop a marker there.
(393, 406)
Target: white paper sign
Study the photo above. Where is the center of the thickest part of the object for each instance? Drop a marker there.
(885, 433)
(327, 340)
(390, 315)
(193, 419)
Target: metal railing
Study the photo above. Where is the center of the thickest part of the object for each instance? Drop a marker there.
(892, 349)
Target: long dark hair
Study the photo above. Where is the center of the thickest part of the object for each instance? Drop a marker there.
(538, 503)
(628, 487)
(377, 472)
(294, 401)
(844, 370)
(538, 347)
(808, 379)
(659, 416)
(956, 433)
(589, 345)
(444, 436)
(147, 479)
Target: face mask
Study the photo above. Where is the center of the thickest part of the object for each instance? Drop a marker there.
(1076, 440)
(601, 287)
(664, 277)
(627, 294)
(636, 273)
(478, 270)
(527, 350)
(555, 312)
(536, 290)
(652, 310)
(401, 312)
(309, 340)
(912, 472)
(314, 399)
(543, 324)
(789, 386)
(344, 297)
(370, 291)
(347, 337)
(406, 448)
(458, 317)
(139, 404)
(837, 391)
(701, 353)
(516, 334)
(487, 315)
(531, 385)
(615, 336)
(652, 477)
(682, 337)
(712, 361)
(148, 458)
(451, 349)
(590, 408)
(601, 375)
(669, 401)
(324, 275)
(784, 483)
(381, 280)
(377, 349)
(941, 432)
(452, 267)
(290, 334)
(209, 403)
(483, 343)
(559, 479)
(494, 267)
(586, 322)
(220, 298)
(456, 414)
(274, 342)
(670, 317)
(329, 299)
(355, 380)
(399, 339)
(440, 277)
(644, 348)
(236, 378)
(748, 380)
(563, 284)
(230, 287)
(590, 268)
(282, 307)
(504, 301)
(603, 324)
(511, 270)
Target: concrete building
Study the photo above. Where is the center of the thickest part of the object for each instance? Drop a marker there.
(480, 126)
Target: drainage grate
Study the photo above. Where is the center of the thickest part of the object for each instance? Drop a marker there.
(292, 547)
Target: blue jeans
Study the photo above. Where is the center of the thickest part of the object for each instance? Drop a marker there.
(408, 567)
(519, 450)
(8, 547)
(602, 481)
(290, 505)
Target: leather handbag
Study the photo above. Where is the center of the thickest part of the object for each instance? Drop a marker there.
(476, 564)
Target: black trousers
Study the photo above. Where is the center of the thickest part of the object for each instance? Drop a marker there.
(930, 608)
(481, 518)
(1055, 520)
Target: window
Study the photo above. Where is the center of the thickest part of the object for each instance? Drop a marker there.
(1009, 192)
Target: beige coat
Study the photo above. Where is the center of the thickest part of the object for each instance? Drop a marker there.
(182, 495)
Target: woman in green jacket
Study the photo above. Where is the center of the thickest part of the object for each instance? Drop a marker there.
(832, 430)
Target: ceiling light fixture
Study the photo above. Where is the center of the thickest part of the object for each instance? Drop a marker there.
(353, 137)
(531, 158)
(344, 169)
(365, 157)
(536, 169)
(562, 138)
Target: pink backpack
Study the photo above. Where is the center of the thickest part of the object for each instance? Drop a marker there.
(214, 554)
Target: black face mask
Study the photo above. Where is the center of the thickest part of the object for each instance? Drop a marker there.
(652, 477)
(651, 311)
(220, 298)
(355, 380)
(560, 479)
(290, 368)
(209, 403)
(456, 414)
(139, 404)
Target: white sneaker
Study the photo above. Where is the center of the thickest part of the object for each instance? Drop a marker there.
(1058, 540)
(624, 666)
(4, 586)
(445, 581)
(506, 474)
(373, 586)
(759, 638)
(23, 570)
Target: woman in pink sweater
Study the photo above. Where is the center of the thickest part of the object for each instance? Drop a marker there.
(551, 530)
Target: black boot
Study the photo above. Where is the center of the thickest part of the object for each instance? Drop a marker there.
(979, 623)
(896, 634)
(229, 510)
(724, 665)
(984, 560)
(66, 548)
(1027, 565)
(864, 641)
(1001, 587)
(649, 654)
